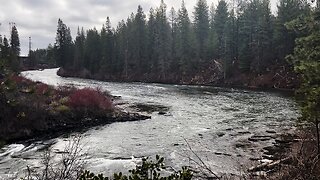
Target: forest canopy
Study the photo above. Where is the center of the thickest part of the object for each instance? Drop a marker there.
(238, 36)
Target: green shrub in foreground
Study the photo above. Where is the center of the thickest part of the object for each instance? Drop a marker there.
(148, 170)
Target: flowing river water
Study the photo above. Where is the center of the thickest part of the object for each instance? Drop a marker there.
(216, 123)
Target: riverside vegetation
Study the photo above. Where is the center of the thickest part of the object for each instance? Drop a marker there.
(244, 43)
(33, 109)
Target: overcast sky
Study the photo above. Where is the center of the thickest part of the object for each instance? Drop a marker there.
(38, 18)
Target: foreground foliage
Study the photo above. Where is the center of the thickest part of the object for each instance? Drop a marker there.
(306, 59)
(148, 170)
(70, 165)
(305, 154)
(303, 161)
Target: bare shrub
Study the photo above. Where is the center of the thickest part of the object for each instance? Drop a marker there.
(67, 165)
(305, 164)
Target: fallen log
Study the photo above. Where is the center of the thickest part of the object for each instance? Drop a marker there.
(269, 165)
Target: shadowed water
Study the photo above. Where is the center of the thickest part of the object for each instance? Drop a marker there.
(216, 122)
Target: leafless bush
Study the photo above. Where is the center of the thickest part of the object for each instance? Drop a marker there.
(203, 170)
(66, 165)
(305, 164)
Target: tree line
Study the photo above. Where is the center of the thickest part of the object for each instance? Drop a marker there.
(10, 51)
(242, 35)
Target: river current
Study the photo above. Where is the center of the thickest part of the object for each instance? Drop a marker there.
(216, 123)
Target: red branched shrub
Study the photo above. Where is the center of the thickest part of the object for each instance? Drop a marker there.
(42, 89)
(90, 99)
(21, 80)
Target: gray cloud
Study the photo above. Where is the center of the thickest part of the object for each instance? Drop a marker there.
(38, 18)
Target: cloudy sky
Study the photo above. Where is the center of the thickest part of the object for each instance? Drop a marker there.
(38, 18)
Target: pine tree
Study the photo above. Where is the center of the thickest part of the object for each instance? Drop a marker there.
(201, 26)
(264, 37)
(50, 56)
(306, 60)
(255, 35)
(63, 45)
(107, 54)
(139, 38)
(288, 10)
(93, 51)
(5, 55)
(174, 29)
(121, 45)
(151, 48)
(213, 45)
(5, 48)
(220, 24)
(246, 30)
(79, 50)
(14, 50)
(15, 42)
(163, 40)
(186, 53)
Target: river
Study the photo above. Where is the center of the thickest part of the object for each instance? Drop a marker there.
(216, 122)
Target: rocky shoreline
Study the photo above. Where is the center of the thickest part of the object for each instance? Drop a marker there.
(275, 155)
(69, 124)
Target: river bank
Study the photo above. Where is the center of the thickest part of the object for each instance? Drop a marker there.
(276, 78)
(293, 156)
(34, 110)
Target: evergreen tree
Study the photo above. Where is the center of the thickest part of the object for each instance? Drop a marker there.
(288, 10)
(131, 59)
(306, 60)
(174, 48)
(15, 42)
(63, 45)
(174, 29)
(213, 45)
(14, 53)
(5, 48)
(5, 55)
(139, 40)
(163, 40)
(186, 53)
(220, 24)
(93, 51)
(121, 49)
(264, 37)
(255, 35)
(151, 48)
(201, 26)
(107, 47)
(50, 56)
(79, 50)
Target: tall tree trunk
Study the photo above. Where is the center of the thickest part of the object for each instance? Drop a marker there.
(126, 61)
